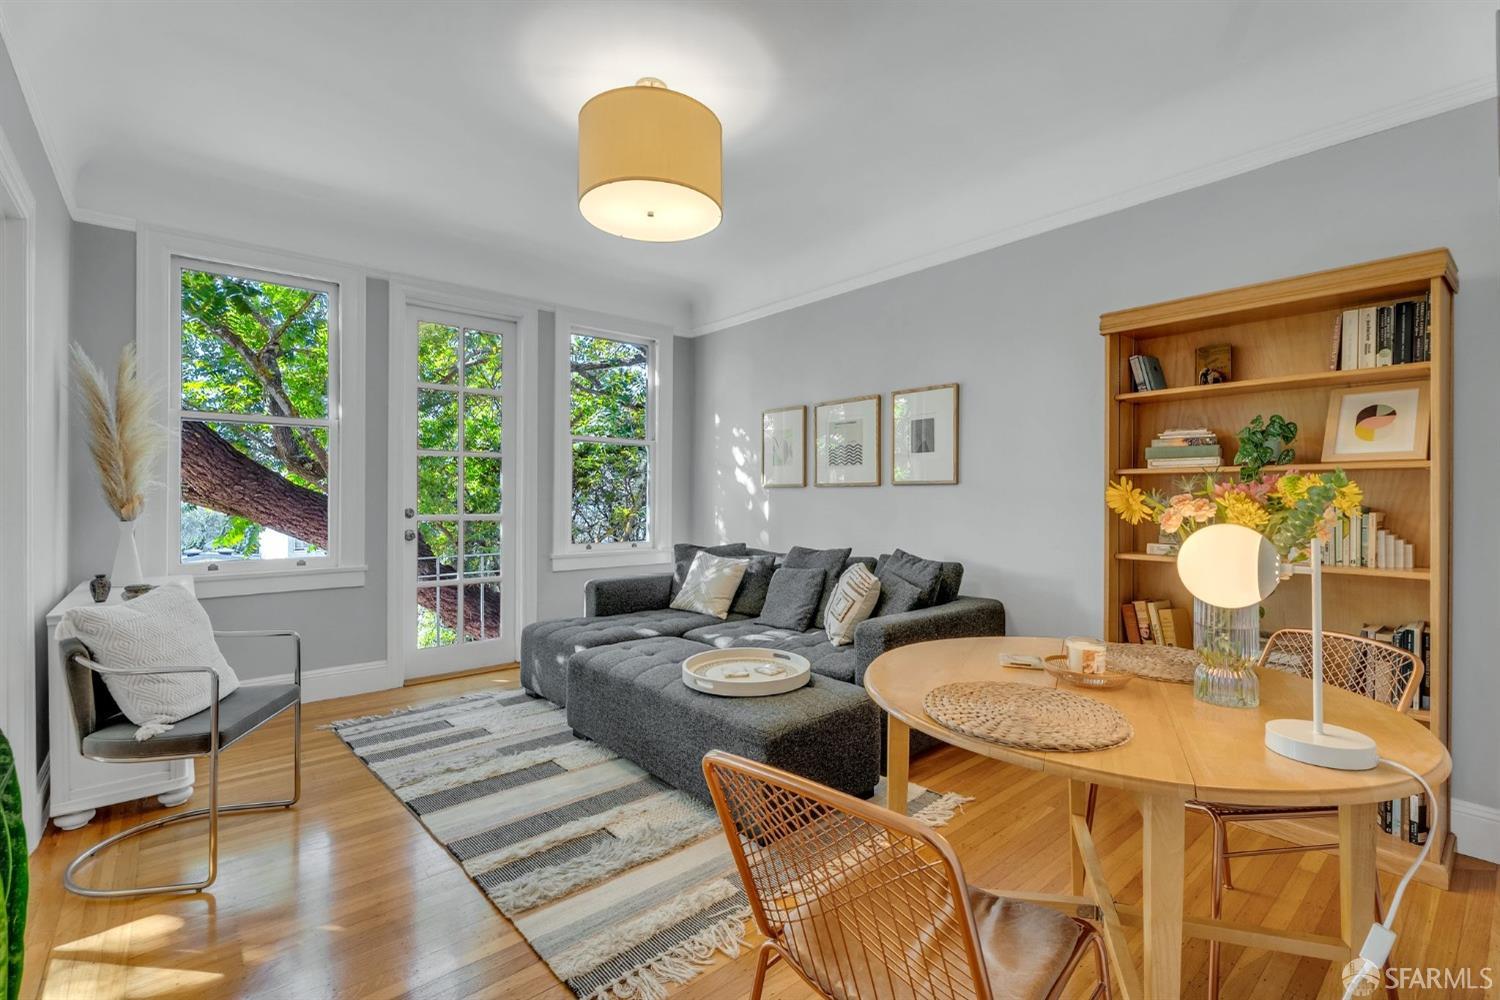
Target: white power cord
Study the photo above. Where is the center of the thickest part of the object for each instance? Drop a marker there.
(1378, 944)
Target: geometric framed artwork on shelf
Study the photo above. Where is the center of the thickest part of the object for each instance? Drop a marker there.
(783, 447)
(924, 435)
(1383, 422)
(848, 442)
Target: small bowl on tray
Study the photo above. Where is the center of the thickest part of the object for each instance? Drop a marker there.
(1057, 666)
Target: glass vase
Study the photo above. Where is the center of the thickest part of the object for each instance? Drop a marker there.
(1228, 644)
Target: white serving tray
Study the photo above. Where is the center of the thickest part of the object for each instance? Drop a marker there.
(765, 671)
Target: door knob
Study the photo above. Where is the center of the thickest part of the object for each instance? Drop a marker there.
(409, 535)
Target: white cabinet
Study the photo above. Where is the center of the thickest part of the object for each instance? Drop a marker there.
(80, 785)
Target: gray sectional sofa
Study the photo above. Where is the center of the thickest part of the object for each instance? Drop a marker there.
(618, 671)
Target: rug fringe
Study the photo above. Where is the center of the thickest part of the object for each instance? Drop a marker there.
(680, 964)
(413, 707)
(943, 810)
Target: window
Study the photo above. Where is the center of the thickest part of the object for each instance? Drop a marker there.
(612, 470)
(267, 456)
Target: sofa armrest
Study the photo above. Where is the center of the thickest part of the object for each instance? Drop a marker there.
(623, 594)
(958, 619)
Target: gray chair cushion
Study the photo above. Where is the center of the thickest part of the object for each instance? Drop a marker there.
(683, 554)
(546, 646)
(751, 597)
(830, 561)
(792, 600)
(823, 656)
(239, 713)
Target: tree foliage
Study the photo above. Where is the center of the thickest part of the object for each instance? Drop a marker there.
(609, 397)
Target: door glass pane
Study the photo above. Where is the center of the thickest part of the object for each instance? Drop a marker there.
(608, 388)
(481, 485)
(437, 420)
(437, 353)
(437, 485)
(482, 423)
(481, 611)
(481, 548)
(437, 551)
(482, 356)
(437, 616)
(609, 493)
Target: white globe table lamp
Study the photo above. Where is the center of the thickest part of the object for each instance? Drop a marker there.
(1232, 566)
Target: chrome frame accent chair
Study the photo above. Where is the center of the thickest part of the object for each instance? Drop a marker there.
(1377, 670)
(864, 903)
(106, 735)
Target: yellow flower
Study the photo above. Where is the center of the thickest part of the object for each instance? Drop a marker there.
(1292, 487)
(1347, 499)
(1240, 509)
(1125, 499)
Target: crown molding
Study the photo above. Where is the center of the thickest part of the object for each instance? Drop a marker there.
(1447, 99)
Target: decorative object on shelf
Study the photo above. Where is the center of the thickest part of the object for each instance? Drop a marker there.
(1289, 512)
(137, 590)
(650, 163)
(1190, 448)
(1213, 363)
(123, 440)
(99, 588)
(924, 435)
(847, 432)
(1378, 422)
(783, 447)
(1265, 442)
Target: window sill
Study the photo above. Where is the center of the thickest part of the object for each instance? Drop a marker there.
(221, 584)
(564, 562)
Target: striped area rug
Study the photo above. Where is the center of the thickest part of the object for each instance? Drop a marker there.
(621, 884)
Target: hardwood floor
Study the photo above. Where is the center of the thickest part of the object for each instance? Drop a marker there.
(347, 896)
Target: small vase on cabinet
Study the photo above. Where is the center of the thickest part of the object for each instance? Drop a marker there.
(127, 568)
(1228, 644)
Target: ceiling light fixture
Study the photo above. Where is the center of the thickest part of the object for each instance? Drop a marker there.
(650, 163)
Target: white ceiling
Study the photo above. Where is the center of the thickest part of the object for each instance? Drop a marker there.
(861, 140)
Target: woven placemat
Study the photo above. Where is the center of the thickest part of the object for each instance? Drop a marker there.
(1156, 663)
(1027, 717)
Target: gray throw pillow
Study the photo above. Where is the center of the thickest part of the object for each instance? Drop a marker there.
(830, 561)
(751, 596)
(924, 574)
(792, 600)
(896, 596)
(683, 553)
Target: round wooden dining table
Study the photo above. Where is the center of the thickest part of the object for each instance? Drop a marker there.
(1182, 750)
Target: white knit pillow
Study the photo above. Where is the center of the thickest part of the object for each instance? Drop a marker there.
(852, 601)
(165, 627)
(710, 585)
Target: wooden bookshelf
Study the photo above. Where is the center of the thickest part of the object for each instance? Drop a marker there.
(1280, 333)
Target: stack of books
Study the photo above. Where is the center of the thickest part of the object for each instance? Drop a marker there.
(1157, 623)
(1184, 448)
(1146, 374)
(1361, 541)
(1405, 818)
(1377, 336)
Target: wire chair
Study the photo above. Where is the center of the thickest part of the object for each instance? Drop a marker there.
(865, 904)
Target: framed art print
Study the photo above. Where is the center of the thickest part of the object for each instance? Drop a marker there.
(783, 447)
(1378, 422)
(924, 435)
(848, 442)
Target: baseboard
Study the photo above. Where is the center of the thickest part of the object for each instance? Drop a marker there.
(1477, 828)
(322, 683)
(36, 823)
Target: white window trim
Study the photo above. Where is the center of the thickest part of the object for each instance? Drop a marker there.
(565, 554)
(157, 305)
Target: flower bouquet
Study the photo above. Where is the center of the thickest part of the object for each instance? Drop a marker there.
(1290, 509)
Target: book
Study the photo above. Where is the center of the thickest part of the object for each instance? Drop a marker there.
(1194, 462)
(1182, 451)
(1153, 610)
(1143, 621)
(1335, 348)
(1421, 332)
(1405, 320)
(1385, 335)
(1161, 548)
(1366, 338)
(1137, 374)
(1371, 534)
(1151, 369)
(1213, 363)
(1180, 432)
(1177, 627)
(1127, 622)
(1349, 340)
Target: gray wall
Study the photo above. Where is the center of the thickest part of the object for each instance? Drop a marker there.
(1018, 327)
(345, 625)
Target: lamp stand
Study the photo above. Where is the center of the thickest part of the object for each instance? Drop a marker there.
(1311, 741)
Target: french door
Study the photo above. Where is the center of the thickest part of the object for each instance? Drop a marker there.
(455, 521)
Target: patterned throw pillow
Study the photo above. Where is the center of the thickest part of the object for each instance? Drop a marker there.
(852, 601)
(165, 627)
(710, 585)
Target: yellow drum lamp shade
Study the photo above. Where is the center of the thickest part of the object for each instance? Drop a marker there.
(650, 164)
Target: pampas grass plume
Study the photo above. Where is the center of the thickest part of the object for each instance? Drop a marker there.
(123, 439)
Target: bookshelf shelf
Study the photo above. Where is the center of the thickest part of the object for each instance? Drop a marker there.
(1281, 337)
(1415, 372)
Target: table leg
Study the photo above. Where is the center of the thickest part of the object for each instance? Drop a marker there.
(897, 760)
(1078, 805)
(1357, 873)
(1163, 818)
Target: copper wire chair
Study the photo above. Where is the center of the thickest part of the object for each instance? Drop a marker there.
(865, 904)
(1377, 670)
